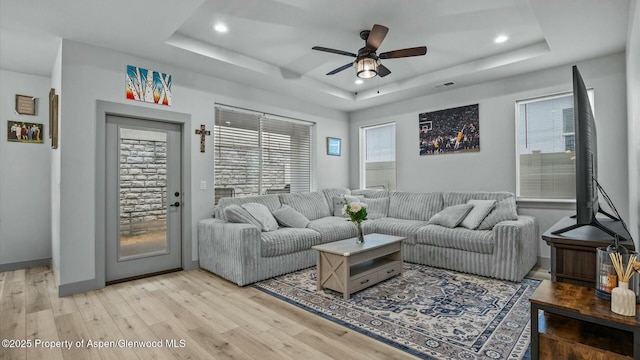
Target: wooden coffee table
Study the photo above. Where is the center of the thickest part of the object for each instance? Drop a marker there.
(347, 267)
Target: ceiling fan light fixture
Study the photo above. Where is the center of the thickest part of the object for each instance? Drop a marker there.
(366, 68)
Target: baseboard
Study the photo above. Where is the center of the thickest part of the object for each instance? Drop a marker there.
(83, 286)
(544, 262)
(90, 285)
(194, 265)
(77, 287)
(541, 270)
(25, 264)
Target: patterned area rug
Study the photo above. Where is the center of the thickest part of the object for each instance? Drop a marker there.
(428, 312)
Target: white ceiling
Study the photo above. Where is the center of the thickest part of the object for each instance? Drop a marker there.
(269, 41)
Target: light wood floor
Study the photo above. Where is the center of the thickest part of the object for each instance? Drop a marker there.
(215, 318)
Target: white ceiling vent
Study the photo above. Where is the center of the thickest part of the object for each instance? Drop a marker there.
(444, 85)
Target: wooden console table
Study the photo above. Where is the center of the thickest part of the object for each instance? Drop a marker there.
(573, 254)
(575, 324)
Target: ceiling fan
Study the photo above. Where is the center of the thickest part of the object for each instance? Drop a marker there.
(367, 63)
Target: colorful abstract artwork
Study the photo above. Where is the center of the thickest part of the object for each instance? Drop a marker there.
(148, 85)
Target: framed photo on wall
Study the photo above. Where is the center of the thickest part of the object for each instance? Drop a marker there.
(53, 119)
(27, 132)
(52, 93)
(25, 105)
(334, 146)
(450, 131)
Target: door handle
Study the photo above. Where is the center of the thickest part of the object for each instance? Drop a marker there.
(176, 204)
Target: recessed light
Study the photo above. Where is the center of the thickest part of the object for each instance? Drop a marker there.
(500, 39)
(220, 27)
(359, 82)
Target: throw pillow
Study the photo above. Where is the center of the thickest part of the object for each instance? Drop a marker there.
(340, 201)
(290, 217)
(262, 214)
(235, 214)
(451, 216)
(481, 209)
(377, 208)
(505, 210)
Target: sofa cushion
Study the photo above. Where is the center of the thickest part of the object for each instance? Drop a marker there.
(263, 215)
(289, 217)
(414, 206)
(333, 228)
(312, 205)
(329, 194)
(272, 202)
(451, 216)
(377, 208)
(370, 193)
(481, 208)
(397, 227)
(236, 214)
(462, 197)
(340, 201)
(479, 241)
(287, 240)
(504, 210)
(218, 212)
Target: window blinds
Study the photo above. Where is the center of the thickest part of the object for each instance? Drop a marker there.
(256, 153)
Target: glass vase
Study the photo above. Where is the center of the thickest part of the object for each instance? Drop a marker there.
(360, 238)
(606, 277)
(623, 300)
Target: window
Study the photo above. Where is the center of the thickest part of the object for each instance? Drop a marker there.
(568, 129)
(546, 148)
(257, 154)
(378, 162)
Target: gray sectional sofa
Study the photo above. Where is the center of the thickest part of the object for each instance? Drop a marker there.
(243, 254)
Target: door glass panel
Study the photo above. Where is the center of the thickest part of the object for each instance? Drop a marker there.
(142, 180)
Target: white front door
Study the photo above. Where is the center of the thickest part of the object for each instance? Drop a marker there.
(143, 197)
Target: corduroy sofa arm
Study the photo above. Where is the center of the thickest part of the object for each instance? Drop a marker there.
(517, 239)
(230, 250)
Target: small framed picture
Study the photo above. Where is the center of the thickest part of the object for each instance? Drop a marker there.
(334, 146)
(27, 132)
(25, 105)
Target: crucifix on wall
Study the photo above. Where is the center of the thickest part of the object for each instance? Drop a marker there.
(202, 132)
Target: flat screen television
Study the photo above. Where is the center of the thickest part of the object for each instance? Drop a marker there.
(586, 148)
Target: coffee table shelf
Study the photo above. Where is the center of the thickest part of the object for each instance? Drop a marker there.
(370, 266)
(347, 267)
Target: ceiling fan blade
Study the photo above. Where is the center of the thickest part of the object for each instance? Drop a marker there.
(334, 51)
(383, 71)
(343, 67)
(415, 51)
(377, 34)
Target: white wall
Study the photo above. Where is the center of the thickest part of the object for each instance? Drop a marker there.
(633, 110)
(56, 83)
(90, 73)
(493, 168)
(25, 215)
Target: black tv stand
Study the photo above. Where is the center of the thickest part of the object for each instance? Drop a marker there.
(595, 223)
